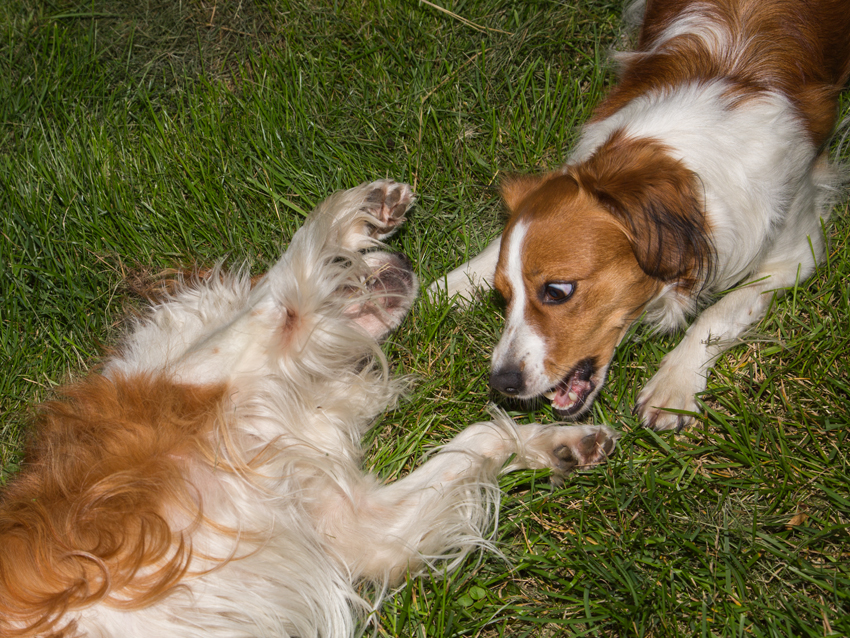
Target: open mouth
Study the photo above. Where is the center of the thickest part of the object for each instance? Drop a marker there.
(570, 395)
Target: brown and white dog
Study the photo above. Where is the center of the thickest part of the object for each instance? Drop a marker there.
(704, 169)
(206, 482)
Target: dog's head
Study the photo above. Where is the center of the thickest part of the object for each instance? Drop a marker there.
(585, 250)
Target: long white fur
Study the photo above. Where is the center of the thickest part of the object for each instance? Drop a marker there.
(306, 380)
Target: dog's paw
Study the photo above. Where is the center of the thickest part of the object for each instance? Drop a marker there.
(668, 401)
(387, 202)
(366, 214)
(564, 448)
(469, 282)
(387, 294)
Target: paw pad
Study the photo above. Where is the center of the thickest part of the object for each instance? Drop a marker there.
(387, 202)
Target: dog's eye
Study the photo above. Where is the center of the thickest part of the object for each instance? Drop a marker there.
(557, 292)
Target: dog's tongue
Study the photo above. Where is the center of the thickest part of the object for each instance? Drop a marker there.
(570, 392)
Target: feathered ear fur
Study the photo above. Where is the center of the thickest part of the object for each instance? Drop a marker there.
(655, 198)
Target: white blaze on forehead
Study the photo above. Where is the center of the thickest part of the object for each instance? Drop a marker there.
(520, 346)
(505, 354)
(516, 242)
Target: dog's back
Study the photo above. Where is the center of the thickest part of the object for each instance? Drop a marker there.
(799, 49)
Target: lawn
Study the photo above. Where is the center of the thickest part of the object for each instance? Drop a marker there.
(142, 135)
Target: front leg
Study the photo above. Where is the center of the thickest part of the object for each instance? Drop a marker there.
(683, 372)
(208, 331)
(462, 283)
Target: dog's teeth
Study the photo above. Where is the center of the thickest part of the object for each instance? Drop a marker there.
(550, 395)
(573, 396)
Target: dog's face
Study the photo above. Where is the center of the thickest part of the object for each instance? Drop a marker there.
(572, 287)
(584, 252)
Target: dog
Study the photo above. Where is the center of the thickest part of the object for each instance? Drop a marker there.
(206, 480)
(699, 185)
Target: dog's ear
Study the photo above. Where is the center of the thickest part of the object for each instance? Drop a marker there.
(655, 199)
(515, 188)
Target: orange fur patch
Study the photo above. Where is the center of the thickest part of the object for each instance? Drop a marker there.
(654, 197)
(86, 520)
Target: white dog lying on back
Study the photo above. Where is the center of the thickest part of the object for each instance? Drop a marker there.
(207, 482)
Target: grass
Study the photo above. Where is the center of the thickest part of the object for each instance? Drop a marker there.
(141, 135)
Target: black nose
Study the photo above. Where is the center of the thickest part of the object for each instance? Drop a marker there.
(507, 381)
